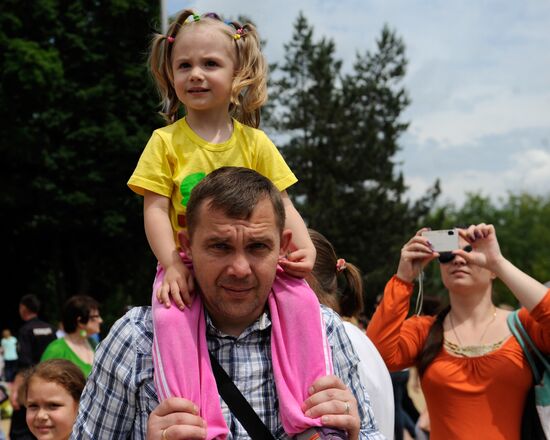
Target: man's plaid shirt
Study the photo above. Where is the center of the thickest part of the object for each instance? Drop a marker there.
(120, 394)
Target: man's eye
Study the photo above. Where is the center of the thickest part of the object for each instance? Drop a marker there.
(258, 246)
(220, 246)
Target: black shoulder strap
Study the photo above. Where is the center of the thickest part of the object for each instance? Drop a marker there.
(238, 405)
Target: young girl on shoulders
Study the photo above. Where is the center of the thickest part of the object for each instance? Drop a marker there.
(52, 391)
(217, 73)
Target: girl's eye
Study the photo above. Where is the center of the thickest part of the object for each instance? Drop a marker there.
(185, 65)
(211, 63)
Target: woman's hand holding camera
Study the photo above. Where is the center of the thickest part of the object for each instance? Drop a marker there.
(415, 254)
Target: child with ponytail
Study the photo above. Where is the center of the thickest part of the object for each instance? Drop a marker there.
(216, 72)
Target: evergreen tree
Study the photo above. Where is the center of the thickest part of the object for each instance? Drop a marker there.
(342, 136)
(76, 108)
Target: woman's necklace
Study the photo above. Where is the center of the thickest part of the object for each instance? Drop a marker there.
(484, 331)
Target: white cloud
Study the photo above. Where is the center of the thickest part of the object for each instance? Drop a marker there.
(480, 111)
(514, 162)
(530, 174)
(533, 171)
(478, 79)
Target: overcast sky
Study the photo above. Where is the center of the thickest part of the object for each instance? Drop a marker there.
(478, 79)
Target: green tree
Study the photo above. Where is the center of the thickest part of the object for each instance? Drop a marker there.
(77, 107)
(340, 134)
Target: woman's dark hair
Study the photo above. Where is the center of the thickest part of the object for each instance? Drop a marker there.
(340, 289)
(434, 342)
(76, 310)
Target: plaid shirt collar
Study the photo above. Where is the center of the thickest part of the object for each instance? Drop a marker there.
(261, 324)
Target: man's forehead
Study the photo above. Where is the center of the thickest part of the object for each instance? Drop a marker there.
(262, 212)
(217, 227)
(215, 221)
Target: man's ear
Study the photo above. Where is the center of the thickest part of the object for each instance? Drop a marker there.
(185, 242)
(286, 240)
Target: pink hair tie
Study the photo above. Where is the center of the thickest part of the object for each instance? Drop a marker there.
(340, 264)
(170, 39)
(239, 32)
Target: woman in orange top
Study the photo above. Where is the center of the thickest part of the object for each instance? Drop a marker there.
(473, 372)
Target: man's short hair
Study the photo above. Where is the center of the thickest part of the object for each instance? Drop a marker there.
(31, 302)
(235, 191)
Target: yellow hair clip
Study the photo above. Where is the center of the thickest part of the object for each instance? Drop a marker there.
(238, 34)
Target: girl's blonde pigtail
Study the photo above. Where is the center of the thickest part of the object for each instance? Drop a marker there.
(249, 92)
(160, 66)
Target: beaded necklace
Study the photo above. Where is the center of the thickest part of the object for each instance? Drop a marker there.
(472, 350)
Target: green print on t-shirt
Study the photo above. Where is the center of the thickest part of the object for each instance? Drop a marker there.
(188, 184)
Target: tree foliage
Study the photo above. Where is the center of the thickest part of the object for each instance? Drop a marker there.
(76, 109)
(340, 135)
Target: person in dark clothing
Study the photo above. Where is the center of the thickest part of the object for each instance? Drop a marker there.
(34, 336)
(403, 420)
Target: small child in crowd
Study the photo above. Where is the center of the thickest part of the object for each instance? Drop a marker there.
(216, 71)
(51, 393)
(9, 351)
